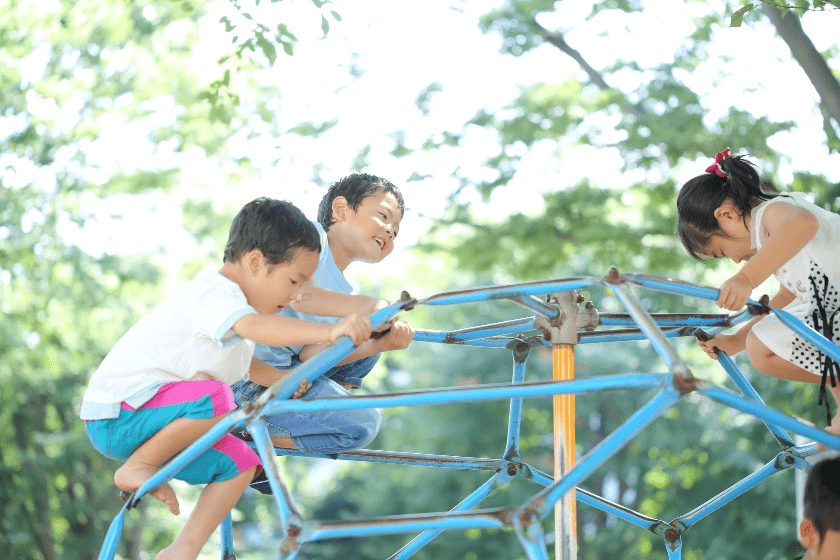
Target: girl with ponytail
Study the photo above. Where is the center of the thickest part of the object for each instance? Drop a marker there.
(731, 212)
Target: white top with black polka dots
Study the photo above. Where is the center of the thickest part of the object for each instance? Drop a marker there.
(813, 276)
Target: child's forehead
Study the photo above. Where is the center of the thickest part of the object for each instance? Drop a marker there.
(385, 199)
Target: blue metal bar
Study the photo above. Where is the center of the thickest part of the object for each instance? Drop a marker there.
(606, 448)
(506, 328)
(675, 364)
(226, 529)
(112, 537)
(493, 484)
(822, 343)
(674, 549)
(672, 286)
(474, 393)
(401, 458)
(671, 319)
(536, 304)
(585, 338)
(764, 413)
(538, 476)
(748, 391)
(322, 361)
(530, 533)
(510, 291)
(289, 516)
(617, 510)
(806, 450)
(624, 335)
(476, 519)
(765, 472)
(520, 357)
(186, 456)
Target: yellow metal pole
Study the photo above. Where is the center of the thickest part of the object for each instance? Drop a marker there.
(565, 511)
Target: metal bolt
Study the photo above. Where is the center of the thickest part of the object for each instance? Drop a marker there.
(671, 535)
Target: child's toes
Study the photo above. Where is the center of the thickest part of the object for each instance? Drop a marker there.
(166, 494)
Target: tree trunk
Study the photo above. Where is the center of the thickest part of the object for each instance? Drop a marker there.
(809, 58)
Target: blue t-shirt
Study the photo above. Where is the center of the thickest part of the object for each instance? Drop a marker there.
(326, 276)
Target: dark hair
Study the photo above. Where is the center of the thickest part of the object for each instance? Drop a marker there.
(355, 188)
(702, 195)
(821, 501)
(275, 227)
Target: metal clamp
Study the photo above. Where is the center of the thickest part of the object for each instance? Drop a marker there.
(563, 328)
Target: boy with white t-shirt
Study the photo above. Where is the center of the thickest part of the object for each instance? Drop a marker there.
(166, 381)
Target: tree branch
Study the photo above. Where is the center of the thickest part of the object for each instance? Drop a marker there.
(809, 58)
(558, 40)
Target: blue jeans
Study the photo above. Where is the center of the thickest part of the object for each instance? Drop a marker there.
(327, 433)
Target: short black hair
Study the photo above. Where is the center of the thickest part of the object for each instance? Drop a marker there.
(355, 188)
(276, 227)
(821, 501)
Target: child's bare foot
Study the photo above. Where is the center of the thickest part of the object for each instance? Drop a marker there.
(834, 430)
(131, 476)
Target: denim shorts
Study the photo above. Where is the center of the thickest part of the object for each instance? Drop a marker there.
(326, 433)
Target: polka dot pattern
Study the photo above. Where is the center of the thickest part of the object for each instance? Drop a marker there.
(823, 317)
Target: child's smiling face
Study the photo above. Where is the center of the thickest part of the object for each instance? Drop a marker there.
(367, 233)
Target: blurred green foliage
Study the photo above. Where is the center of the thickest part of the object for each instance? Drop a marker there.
(75, 68)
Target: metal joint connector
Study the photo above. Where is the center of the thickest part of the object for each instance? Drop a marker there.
(564, 327)
(613, 277)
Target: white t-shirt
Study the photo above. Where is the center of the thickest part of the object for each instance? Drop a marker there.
(185, 338)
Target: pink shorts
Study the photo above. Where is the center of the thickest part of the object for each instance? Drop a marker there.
(118, 438)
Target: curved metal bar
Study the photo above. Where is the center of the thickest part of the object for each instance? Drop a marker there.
(822, 343)
(112, 537)
(510, 291)
(545, 500)
(748, 391)
(418, 542)
(765, 413)
(657, 338)
(475, 393)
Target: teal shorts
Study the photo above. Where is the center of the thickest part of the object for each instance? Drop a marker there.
(118, 438)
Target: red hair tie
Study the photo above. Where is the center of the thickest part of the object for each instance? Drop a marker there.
(719, 157)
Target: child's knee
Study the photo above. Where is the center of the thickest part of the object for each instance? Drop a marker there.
(759, 355)
(363, 431)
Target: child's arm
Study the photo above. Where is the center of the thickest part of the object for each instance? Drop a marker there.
(327, 303)
(276, 330)
(791, 228)
(266, 375)
(398, 337)
(734, 343)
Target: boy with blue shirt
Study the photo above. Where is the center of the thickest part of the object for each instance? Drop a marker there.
(358, 221)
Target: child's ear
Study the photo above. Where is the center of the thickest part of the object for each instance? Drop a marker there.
(254, 261)
(340, 207)
(808, 535)
(727, 211)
